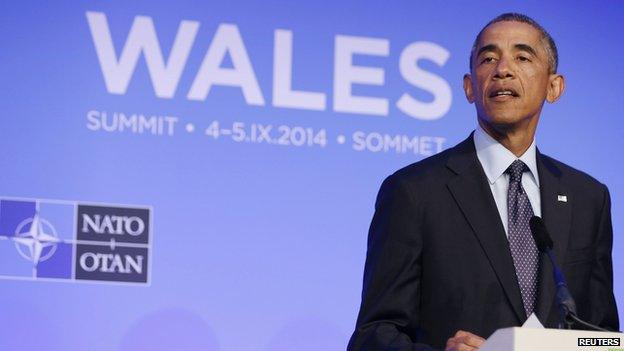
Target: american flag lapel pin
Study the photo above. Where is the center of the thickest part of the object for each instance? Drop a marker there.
(562, 198)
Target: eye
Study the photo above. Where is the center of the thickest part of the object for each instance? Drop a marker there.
(523, 59)
(487, 60)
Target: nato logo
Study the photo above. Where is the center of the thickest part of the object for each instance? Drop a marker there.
(71, 241)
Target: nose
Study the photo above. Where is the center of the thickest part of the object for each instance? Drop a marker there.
(503, 69)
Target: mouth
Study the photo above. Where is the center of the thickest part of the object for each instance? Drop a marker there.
(503, 94)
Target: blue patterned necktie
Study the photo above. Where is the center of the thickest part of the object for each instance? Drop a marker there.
(523, 249)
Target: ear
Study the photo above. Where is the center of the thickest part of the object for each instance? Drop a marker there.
(556, 86)
(468, 88)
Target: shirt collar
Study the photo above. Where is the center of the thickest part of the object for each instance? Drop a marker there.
(495, 158)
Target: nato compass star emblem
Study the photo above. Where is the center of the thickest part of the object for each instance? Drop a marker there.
(35, 239)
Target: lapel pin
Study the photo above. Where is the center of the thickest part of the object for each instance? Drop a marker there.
(562, 198)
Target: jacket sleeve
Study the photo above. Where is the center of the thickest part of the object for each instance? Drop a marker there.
(389, 312)
(604, 310)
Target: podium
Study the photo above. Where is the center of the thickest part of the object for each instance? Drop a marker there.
(529, 339)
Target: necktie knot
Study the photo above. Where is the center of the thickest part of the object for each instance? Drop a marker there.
(515, 170)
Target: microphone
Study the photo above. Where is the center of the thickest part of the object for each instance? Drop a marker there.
(565, 301)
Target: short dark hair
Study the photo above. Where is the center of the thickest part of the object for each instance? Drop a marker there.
(551, 48)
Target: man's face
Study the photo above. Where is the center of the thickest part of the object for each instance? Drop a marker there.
(510, 76)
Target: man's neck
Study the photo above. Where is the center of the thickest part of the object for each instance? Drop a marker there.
(516, 140)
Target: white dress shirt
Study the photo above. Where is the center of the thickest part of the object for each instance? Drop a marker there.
(495, 159)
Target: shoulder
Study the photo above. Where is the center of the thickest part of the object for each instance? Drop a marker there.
(431, 169)
(581, 183)
(425, 176)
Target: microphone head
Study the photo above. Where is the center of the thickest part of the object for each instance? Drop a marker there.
(540, 234)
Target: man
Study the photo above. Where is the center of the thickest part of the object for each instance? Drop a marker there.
(450, 256)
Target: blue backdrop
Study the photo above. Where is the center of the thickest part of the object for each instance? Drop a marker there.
(252, 137)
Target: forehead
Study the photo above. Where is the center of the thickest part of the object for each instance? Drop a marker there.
(509, 33)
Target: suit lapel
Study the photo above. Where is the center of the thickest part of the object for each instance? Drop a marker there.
(472, 193)
(557, 215)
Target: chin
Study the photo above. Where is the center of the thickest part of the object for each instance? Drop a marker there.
(503, 121)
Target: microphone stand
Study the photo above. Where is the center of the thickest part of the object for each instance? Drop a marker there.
(565, 301)
(567, 307)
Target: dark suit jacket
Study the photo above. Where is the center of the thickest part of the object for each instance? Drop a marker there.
(438, 259)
